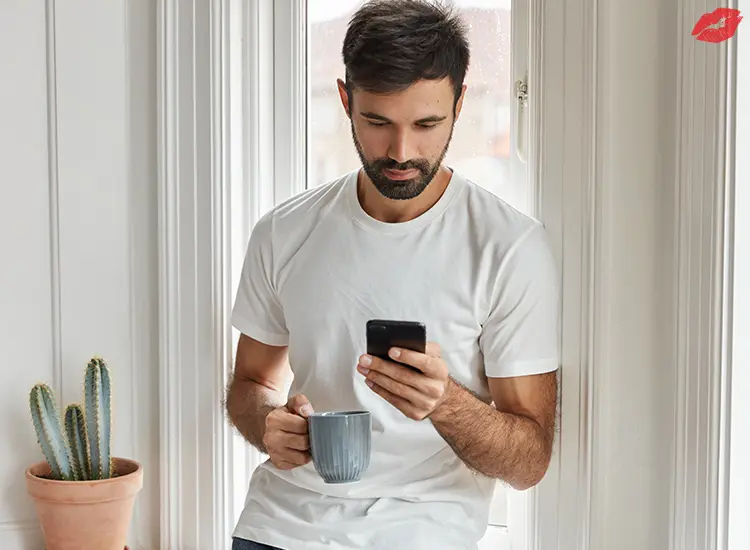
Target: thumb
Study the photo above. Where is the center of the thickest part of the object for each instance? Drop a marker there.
(300, 405)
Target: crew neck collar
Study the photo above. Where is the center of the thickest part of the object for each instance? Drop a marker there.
(364, 219)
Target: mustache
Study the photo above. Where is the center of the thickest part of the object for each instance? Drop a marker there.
(422, 165)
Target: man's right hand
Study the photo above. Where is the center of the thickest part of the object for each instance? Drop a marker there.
(286, 438)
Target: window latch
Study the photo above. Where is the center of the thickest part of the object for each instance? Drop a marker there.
(522, 96)
(522, 91)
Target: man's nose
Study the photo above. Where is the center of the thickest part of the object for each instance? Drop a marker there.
(400, 148)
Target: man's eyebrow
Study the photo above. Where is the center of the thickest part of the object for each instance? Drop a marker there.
(425, 120)
(433, 118)
(375, 116)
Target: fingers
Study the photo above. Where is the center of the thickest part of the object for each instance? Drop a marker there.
(288, 448)
(429, 365)
(421, 394)
(409, 410)
(416, 393)
(428, 368)
(397, 372)
(286, 438)
(299, 404)
(290, 459)
(285, 421)
(285, 450)
(423, 398)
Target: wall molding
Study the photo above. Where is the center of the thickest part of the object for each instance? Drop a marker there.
(169, 303)
(29, 525)
(54, 201)
(221, 260)
(703, 199)
(193, 272)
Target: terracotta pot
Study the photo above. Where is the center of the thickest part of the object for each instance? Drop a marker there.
(85, 515)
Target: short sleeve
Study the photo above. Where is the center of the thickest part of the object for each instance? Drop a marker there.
(257, 311)
(521, 334)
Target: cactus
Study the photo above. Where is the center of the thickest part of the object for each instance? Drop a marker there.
(46, 420)
(80, 451)
(75, 430)
(98, 417)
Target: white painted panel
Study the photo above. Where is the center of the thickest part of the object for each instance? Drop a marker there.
(100, 205)
(94, 201)
(106, 182)
(25, 298)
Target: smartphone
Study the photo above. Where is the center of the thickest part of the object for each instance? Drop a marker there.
(383, 334)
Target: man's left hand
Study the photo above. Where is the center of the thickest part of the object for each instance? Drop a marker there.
(415, 393)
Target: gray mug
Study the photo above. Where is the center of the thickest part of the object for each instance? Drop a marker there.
(340, 444)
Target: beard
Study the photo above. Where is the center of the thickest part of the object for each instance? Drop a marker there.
(400, 189)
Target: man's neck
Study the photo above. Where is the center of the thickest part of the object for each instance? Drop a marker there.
(398, 211)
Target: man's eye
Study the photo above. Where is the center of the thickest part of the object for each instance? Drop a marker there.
(426, 126)
(376, 123)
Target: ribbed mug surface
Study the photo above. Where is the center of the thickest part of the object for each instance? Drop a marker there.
(340, 444)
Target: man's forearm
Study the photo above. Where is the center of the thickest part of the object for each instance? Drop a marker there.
(503, 446)
(248, 403)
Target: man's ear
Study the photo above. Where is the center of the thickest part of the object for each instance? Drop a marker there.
(344, 95)
(460, 102)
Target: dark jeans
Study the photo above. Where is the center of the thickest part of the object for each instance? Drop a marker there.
(242, 544)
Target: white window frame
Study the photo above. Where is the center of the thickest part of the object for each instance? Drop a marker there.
(212, 116)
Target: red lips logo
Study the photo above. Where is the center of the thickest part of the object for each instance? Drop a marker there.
(717, 26)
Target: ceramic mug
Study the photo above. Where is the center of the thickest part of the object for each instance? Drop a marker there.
(340, 444)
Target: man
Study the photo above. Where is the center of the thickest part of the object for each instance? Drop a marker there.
(405, 237)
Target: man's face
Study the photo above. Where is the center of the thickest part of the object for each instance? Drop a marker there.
(402, 138)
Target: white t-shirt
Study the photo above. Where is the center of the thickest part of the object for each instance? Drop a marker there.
(477, 272)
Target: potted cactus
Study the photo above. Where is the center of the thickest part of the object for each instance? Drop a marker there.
(83, 496)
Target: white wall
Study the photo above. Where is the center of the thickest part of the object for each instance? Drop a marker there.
(634, 413)
(77, 230)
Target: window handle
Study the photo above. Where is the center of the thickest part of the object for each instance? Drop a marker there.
(522, 97)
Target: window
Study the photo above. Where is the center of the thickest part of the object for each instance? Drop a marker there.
(482, 142)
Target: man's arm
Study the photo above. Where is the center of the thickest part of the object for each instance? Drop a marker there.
(258, 408)
(256, 387)
(511, 441)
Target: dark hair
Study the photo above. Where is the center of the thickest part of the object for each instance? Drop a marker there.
(391, 44)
